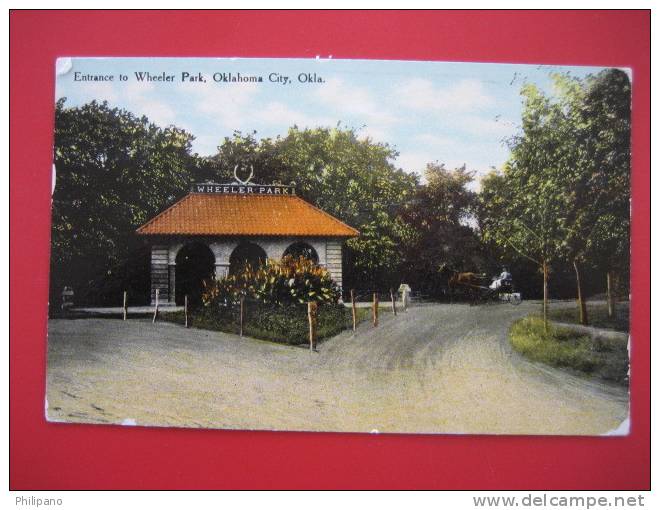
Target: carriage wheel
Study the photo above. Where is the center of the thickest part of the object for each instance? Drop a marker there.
(515, 299)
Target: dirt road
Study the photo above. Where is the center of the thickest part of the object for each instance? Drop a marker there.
(436, 368)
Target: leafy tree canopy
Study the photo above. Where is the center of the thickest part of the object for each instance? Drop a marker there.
(441, 218)
(114, 171)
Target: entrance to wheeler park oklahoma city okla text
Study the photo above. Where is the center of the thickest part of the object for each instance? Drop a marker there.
(218, 228)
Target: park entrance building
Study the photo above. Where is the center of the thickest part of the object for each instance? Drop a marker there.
(217, 228)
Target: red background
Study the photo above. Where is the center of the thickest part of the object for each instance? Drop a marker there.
(58, 456)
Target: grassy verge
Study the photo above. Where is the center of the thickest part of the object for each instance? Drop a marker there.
(278, 324)
(597, 315)
(605, 358)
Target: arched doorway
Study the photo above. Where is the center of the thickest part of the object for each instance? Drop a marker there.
(302, 249)
(244, 254)
(195, 263)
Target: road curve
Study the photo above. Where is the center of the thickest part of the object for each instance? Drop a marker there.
(433, 369)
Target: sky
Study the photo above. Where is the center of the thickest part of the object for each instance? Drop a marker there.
(452, 113)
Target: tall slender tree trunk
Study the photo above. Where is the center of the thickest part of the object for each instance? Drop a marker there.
(580, 298)
(545, 296)
(610, 295)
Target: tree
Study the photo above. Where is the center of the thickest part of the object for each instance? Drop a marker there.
(114, 171)
(566, 185)
(522, 209)
(244, 151)
(440, 217)
(573, 182)
(596, 112)
(606, 116)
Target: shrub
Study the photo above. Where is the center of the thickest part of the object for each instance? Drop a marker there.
(290, 324)
(277, 323)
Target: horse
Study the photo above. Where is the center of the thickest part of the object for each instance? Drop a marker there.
(471, 282)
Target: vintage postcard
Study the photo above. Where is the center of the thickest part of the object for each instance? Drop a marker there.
(340, 245)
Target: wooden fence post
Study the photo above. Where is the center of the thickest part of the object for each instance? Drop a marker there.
(353, 310)
(156, 308)
(312, 311)
(375, 309)
(393, 301)
(125, 307)
(185, 308)
(242, 313)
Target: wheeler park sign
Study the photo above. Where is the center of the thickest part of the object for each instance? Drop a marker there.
(244, 187)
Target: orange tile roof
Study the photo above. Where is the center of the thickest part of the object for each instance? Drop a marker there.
(249, 215)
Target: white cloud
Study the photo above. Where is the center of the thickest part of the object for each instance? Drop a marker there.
(276, 113)
(137, 88)
(412, 161)
(375, 133)
(350, 102)
(100, 91)
(158, 112)
(435, 148)
(223, 107)
(459, 146)
(237, 106)
(140, 98)
(485, 126)
(446, 149)
(206, 145)
(436, 140)
(464, 95)
(228, 104)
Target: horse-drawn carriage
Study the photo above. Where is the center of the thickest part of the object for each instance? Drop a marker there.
(478, 289)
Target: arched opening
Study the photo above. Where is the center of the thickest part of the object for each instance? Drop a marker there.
(244, 254)
(195, 264)
(302, 249)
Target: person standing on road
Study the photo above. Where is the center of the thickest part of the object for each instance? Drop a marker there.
(404, 290)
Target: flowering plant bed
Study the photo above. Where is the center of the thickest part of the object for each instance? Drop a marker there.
(274, 299)
(290, 281)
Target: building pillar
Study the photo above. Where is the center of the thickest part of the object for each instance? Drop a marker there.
(173, 250)
(333, 261)
(222, 249)
(172, 288)
(321, 248)
(160, 275)
(221, 270)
